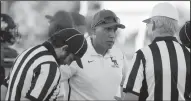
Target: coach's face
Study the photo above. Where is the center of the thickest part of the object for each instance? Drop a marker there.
(106, 36)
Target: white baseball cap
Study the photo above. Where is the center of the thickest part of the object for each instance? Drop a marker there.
(164, 9)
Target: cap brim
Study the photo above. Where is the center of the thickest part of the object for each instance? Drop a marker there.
(147, 20)
(114, 24)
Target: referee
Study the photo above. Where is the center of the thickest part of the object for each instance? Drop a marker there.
(9, 35)
(161, 70)
(35, 74)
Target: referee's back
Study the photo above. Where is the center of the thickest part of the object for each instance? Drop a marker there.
(35, 75)
(161, 71)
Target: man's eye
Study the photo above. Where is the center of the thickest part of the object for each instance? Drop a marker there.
(109, 29)
(115, 29)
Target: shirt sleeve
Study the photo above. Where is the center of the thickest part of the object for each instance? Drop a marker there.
(44, 82)
(134, 76)
(124, 70)
(68, 71)
(118, 94)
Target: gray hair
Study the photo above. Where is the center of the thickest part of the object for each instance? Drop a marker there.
(165, 25)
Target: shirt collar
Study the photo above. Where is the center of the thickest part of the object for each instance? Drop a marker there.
(50, 48)
(166, 38)
(91, 49)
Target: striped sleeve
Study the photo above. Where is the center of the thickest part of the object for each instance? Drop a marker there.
(55, 93)
(134, 76)
(44, 81)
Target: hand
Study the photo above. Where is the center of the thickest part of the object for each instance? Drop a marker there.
(117, 98)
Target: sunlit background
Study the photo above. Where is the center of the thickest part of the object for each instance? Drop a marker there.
(32, 24)
(29, 15)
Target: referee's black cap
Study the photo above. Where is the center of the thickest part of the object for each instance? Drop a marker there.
(76, 42)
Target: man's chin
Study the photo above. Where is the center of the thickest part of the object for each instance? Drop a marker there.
(110, 46)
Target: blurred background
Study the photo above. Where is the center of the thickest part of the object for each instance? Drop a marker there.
(32, 24)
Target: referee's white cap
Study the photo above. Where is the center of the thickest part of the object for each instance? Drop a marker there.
(164, 9)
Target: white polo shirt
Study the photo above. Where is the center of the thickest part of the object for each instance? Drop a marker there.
(100, 77)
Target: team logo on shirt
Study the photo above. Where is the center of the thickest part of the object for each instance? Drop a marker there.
(89, 61)
(115, 64)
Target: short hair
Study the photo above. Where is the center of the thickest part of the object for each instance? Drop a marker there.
(165, 25)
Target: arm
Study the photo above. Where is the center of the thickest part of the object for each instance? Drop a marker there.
(134, 77)
(68, 71)
(124, 71)
(45, 81)
(120, 93)
(130, 97)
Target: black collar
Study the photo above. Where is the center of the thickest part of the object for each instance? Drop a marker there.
(51, 50)
(166, 38)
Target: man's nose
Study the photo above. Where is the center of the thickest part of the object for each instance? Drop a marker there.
(112, 34)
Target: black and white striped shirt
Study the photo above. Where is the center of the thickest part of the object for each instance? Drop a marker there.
(160, 71)
(35, 75)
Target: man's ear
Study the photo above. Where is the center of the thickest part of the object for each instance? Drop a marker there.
(92, 33)
(65, 47)
(153, 27)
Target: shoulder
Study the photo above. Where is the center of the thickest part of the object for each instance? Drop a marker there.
(145, 50)
(116, 51)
